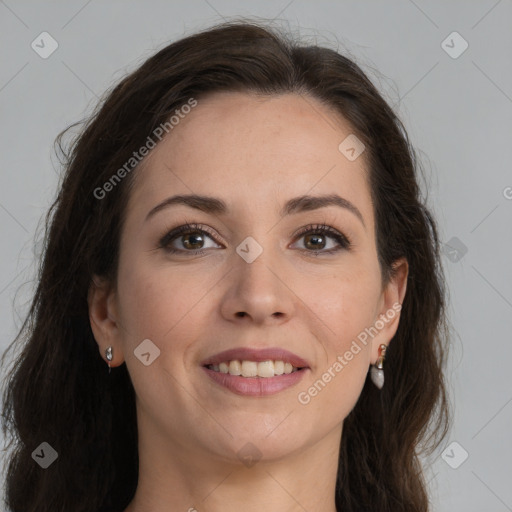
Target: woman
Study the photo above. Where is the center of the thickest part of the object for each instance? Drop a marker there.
(240, 304)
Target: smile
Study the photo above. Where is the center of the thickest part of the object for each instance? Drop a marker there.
(262, 369)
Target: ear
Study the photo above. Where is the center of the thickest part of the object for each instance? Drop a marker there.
(390, 305)
(104, 319)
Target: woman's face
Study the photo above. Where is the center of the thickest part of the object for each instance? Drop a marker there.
(257, 283)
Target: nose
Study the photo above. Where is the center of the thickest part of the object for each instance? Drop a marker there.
(260, 291)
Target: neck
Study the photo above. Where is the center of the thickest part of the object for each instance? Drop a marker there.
(176, 477)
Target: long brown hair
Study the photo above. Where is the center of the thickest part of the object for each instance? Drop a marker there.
(58, 390)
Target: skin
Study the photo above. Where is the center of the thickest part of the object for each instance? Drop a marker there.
(255, 153)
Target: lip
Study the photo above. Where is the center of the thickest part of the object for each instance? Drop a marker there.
(256, 386)
(257, 355)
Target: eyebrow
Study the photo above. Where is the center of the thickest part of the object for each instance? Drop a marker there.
(295, 205)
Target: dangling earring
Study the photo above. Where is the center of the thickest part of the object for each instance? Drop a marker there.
(108, 354)
(377, 372)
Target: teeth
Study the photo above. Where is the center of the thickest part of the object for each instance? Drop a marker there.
(261, 369)
(235, 368)
(278, 367)
(249, 369)
(266, 369)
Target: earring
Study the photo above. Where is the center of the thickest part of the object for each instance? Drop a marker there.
(377, 372)
(108, 354)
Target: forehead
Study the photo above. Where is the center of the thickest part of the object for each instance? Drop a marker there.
(257, 150)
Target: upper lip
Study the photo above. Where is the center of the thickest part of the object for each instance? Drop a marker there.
(258, 355)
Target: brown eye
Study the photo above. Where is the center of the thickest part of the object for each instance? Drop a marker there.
(192, 240)
(316, 238)
(190, 237)
(313, 241)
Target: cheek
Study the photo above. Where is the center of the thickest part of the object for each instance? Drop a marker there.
(345, 301)
(167, 305)
(153, 302)
(168, 308)
(336, 382)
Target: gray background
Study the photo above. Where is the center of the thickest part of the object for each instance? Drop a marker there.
(458, 112)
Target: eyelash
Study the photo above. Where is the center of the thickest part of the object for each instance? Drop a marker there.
(323, 229)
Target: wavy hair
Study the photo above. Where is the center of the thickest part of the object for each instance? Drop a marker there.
(58, 389)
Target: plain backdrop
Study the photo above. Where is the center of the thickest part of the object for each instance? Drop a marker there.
(445, 66)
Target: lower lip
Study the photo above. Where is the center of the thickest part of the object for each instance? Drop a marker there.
(256, 386)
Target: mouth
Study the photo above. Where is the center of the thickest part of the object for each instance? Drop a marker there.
(254, 369)
(255, 372)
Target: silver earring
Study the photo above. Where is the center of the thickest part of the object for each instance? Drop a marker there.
(377, 372)
(108, 354)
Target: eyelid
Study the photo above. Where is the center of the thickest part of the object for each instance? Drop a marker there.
(184, 228)
(342, 240)
(318, 227)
